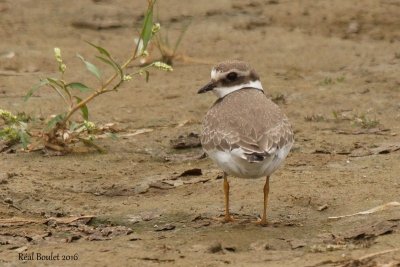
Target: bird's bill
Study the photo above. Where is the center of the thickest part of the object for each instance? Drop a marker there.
(208, 87)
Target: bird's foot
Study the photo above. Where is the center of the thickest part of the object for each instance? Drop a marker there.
(228, 218)
(261, 222)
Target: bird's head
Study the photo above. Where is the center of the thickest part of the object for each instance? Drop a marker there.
(230, 76)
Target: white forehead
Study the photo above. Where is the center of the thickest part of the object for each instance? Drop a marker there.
(214, 74)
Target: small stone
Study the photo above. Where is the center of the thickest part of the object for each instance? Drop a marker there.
(260, 246)
(114, 231)
(166, 227)
(190, 140)
(198, 248)
(134, 238)
(141, 188)
(21, 249)
(214, 248)
(72, 238)
(135, 218)
(230, 249)
(323, 207)
(8, 200)
(354, 27)
(296, 243)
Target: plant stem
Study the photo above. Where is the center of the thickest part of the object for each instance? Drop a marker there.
(99, 91)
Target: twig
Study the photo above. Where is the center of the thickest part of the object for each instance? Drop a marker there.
(378, 253)
(370, 211)
(129, 134)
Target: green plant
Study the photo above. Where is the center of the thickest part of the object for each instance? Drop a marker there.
(61, 130)
(327, 81)
(330, 81)
(340, 79)
(360, 120)
(166, 49)
(335, 114)
(365, 122)
(14, 129)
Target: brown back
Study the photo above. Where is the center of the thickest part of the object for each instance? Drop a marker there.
(247, 119)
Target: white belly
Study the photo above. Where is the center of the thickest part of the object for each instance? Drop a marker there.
(232, 163)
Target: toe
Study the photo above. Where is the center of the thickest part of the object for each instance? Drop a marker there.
(228, 218)
(262, 222)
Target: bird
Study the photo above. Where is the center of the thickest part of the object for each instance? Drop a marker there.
(244, 132)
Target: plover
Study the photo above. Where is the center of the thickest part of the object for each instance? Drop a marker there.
(244, 132)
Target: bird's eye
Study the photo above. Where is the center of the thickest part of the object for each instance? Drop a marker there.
(232, 76)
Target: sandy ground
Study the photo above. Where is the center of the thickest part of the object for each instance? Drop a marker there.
(332, 66)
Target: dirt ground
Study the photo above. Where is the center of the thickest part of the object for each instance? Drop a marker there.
(332, 66)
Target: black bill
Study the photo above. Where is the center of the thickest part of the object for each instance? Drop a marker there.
(208, 87)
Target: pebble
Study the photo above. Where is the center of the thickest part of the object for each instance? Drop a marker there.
(8, 200)
(215, 247)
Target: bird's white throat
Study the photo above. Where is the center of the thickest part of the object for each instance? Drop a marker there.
(225, 90)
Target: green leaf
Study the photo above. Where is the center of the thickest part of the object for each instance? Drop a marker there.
(113, 64)
(108, 60)
(55, 82)
(102, 50)
(35, 88)
(84, 109)
(53, 122)
(147, 73)
(146, 33)
(92, 68)
(80, 86)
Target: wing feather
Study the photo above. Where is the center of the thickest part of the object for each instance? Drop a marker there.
(259, 130)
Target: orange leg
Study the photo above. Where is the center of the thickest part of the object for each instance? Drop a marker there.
(228, 217)
(263, 221)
